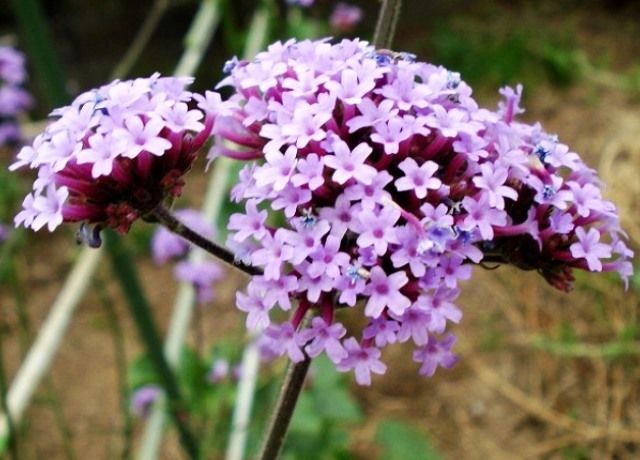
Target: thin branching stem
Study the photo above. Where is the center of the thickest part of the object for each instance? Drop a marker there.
(164, 217)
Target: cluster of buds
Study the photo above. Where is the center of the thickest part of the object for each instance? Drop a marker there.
(373, 184)
(113, 155)
(14, 99)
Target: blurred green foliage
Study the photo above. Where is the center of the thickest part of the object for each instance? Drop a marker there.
(400, 441)
(321, 426)
(492, 57)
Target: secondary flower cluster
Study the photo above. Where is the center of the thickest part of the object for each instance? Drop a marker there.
(113, 155)
(167, 246)
(14, 99)
(374, 183)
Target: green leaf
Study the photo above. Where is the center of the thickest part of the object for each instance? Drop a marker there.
(336, 404)
(400, 441)
(306, 419)
(192, 374)
(4, 444)
(141, 372)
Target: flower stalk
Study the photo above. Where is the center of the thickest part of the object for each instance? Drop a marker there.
(286, 404)
(297, 372)
(164, 217)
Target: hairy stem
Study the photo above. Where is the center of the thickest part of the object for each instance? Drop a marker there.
(164, 216)
(287, 400)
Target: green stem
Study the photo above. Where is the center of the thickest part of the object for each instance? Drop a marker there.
(12, 438)
(39, 44)
(121, 365)
(139, 43)
(387, 22)
(141, 312)
(61, 419)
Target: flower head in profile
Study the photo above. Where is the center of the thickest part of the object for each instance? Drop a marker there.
(14, 99)
(389, 182)
(113, 154)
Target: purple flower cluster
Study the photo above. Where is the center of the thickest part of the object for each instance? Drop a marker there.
(114, 154)
(14, 100)
(387, 181)
(167, 246)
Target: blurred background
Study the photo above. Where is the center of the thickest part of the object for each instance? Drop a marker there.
(542, 374)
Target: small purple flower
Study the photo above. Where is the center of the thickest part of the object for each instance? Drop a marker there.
(362, 360)
(284, 340)
(143, 399)
(418, 178)
(219, 371)
(377, 229)
(253, 303)
(323, 337)
(202, 275)
(384, 291)
(251, 224)
(435, 353)
(589, 247)
(383, 330)
(274, 253)
(492, 180)
(349, 164)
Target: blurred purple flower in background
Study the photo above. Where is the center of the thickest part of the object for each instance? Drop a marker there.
(14, 99)
(219, 371)
(304, 3)
(388, 181)
(167, 246)
(143, 398)
(5, 231)
(345, 18)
